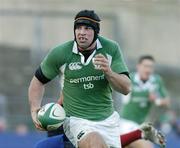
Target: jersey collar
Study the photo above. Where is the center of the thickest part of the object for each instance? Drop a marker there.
(148, 83)
(138, 80)
(75, 48)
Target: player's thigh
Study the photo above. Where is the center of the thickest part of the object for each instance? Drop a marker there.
(141, 144)
(76, 129)
(92, 140)
(109, 129)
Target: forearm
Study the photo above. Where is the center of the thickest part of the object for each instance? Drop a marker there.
(162, 102)
(36, 92)
(119, 82)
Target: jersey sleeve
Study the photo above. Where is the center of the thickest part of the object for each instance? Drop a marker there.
(51, 63)
(118, 64)
(162, 89)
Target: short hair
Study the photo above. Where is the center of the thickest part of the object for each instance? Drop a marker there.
(146, 57)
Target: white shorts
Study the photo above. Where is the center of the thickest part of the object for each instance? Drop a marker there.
(77, 128)
(127, 126)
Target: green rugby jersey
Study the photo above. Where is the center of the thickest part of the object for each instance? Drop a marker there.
(137, 105)
(86, 91)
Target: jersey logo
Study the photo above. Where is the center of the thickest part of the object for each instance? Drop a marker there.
(75, 66)
(88, 86)
(80, 135)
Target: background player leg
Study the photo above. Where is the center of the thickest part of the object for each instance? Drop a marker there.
(92, 140)
(146, 132)
(134, 140)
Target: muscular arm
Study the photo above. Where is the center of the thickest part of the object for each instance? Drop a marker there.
(165, 101)
(163, 98)
(47, 71)
(35, 94)
(119, 82)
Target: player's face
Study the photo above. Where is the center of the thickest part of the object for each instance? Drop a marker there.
(84, 36)
(145, 69)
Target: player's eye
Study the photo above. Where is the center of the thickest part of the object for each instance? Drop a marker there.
(78, 27)
(88, 28)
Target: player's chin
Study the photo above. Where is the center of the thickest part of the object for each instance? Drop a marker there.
(83, 45)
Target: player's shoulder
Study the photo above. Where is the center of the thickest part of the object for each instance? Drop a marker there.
(63, 47)
(108, 43)
(157, 77)
(61, 51)
(132, 75)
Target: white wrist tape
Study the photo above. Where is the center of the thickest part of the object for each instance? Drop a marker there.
(158, 102)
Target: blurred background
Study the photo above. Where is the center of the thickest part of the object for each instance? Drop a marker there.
(30, 28)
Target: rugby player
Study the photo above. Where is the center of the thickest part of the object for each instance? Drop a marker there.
(148, 90)
(91, 66)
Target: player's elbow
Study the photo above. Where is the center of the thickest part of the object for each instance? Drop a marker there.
(127, 89)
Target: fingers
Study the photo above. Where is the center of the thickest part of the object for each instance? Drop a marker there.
(101, 65)
(36, 121)
(39, 127)
(101, 62)
(152, 97)
(100, 57)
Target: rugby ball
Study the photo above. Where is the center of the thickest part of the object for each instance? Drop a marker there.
(51, 116)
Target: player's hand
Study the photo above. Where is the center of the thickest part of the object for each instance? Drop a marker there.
(157, 101)
(35, 120)
(102, 63)
(165, 102)
(152, 97)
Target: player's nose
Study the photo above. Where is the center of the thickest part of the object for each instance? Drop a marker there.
(82, 30)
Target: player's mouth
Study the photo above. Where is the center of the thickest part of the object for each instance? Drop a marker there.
(82, 39)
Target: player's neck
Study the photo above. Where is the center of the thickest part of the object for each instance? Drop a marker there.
(144, 79)
(92, 47)
(86, 53)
